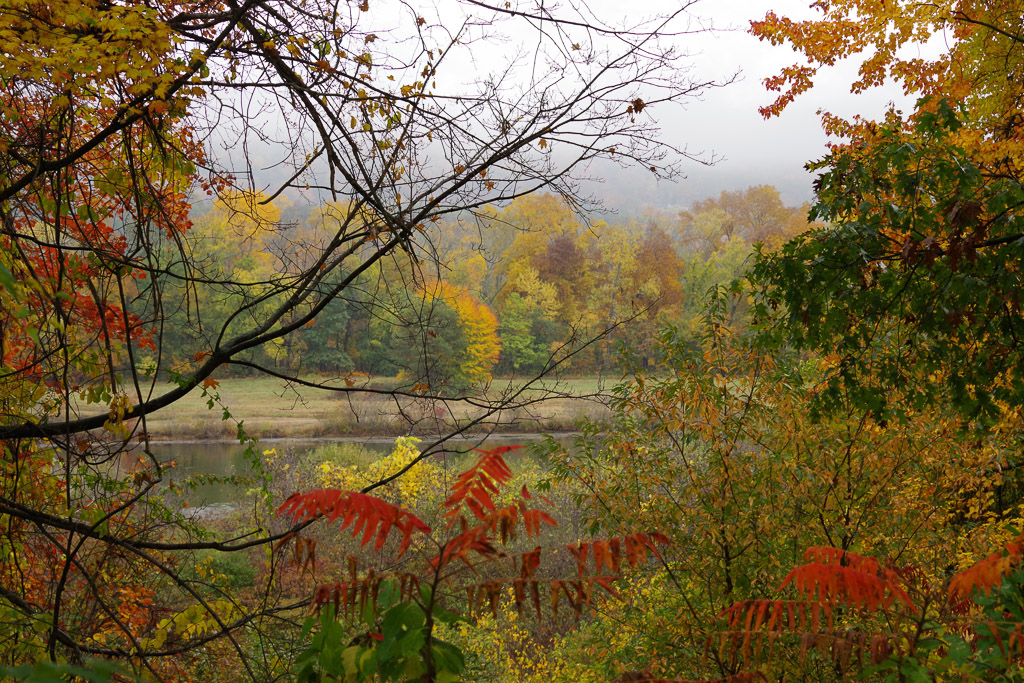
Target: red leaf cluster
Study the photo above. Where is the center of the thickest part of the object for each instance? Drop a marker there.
(608, 553)
(579, 594)
(474, 487)
(985, 574)
(366, 514)
(836, 577)
(475, 491)
(303, 551)
(501, 522)
(776, 615)
(832, 579)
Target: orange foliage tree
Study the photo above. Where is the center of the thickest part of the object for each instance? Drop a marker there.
(478, 346)
(908, 293)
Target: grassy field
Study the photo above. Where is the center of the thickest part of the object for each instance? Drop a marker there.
(271, 408)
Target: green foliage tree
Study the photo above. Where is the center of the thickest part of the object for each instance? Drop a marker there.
(324, 344)
(914, 278)
(918, 265)
(521, 349)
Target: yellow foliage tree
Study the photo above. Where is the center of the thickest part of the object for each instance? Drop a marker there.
(478, 327)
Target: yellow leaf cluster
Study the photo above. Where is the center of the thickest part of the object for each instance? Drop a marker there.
(421, 484)
(479, 327)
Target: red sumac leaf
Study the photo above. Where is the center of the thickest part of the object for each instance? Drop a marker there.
(367, 514)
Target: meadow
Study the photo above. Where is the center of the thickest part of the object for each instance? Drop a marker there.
(272, 408)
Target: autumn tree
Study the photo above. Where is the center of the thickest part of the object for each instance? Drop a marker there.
(900, 309)
(718, 446)
(457, 348)
(117, 118)
(654, 283)
(715, 239)
(755, 215)
(552, 275)
(514, 236)
(915, 277)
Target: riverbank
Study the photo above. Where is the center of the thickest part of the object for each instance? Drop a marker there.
(272, 409)
(362, 440)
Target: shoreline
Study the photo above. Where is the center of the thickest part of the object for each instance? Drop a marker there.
(379, 439)
(267, 409)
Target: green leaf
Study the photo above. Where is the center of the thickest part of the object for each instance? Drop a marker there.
(446, 617)
(447, 657)
(7, 280)
(50, 672)
(387, 595)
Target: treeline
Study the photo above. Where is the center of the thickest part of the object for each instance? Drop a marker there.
(501, 292)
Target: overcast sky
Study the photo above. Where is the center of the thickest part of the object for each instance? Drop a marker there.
(725, 122)
(754, 151)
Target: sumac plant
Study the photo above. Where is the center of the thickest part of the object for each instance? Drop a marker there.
(875, 620)
(382, 625)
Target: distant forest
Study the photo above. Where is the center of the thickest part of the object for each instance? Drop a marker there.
(505, 290)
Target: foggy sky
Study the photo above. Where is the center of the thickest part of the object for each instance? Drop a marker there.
(754, 151)
(724, 123)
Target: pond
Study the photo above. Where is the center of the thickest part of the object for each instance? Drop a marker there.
(220, 459)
